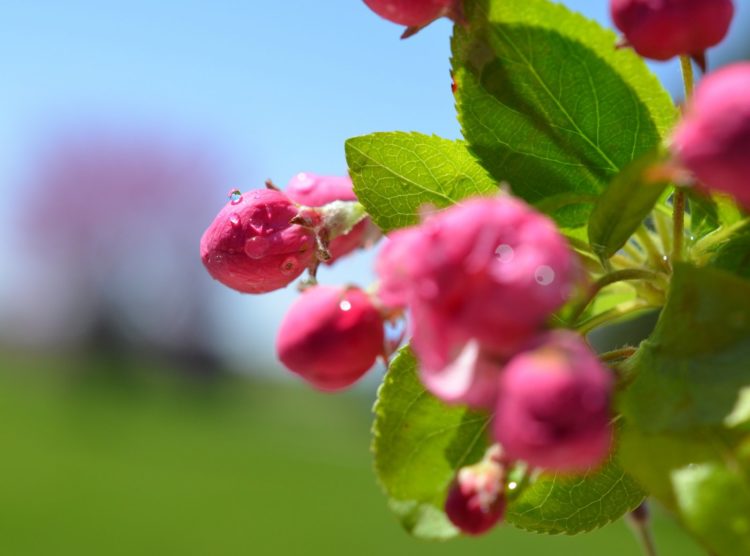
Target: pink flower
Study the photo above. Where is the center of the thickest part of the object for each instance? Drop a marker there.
(412, 13)
(315, 191)
(476, 499)
(251, 246)
(713, 139)
(663, 29)
(471, 378)
(553, 405)
(489, 271)
(395, 266)
(331, 337)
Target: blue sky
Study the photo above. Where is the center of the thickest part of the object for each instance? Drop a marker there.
(274, 88)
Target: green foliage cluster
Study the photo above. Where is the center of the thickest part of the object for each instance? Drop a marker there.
(571, 125)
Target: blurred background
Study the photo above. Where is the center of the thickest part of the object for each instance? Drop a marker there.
(142, 410)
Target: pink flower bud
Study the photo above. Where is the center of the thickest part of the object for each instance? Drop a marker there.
(413, 13)
(251, 246)
(331, 336)
(471, 378)
(713, 139)
(476, 499)
(490, 270)
(315, 191)
(663, 29)
(553, 405)
(395, 266)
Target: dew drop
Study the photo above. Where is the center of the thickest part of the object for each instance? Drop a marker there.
(234, 220)
(345, 305)
(290, 265)
(504, 253)
(235, 196)
(304, 181)
(512, 485)
(256, 247)
(544, 275)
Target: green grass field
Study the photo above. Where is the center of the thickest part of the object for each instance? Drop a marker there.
(110, 461)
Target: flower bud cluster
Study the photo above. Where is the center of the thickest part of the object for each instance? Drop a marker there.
(263, 240)
(713, 138)
(480, 281)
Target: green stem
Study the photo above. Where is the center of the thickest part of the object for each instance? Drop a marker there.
(678, 205)
(617, 354)
(608, 279)
(613, 314)
(580, 245)
(663, 227)
(679, 224)
(712, 240)
(657, 258)
(633, 252)
(642, 529)
(623, 261)
(687, 75)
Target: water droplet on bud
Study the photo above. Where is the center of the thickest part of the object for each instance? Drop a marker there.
(544, 275)
(235, 196)
(256, 247)
(304, 181)
(504, 253)
(345, 305)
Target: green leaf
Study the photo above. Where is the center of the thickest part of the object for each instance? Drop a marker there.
(734, 253)
(690, 372)
(714, 503)
(651, 458)
(397, 174)
(623, 206)
(419, 443)
(704, 213)
(687, 410)
(575, 504)
(700, 475)
(549, 105)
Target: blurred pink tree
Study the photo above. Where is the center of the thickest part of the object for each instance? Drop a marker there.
(109, 241)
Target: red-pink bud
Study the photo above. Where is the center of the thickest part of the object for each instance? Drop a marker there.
(476, 499)
(331, 336)
(395, 265)
(471, 378)
(553, 406)
(315, 191)
(489, 269)
(713, 139)
(663, 29)
(413, 13)
(251, 246)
